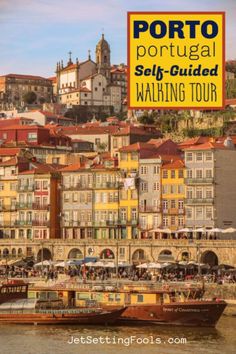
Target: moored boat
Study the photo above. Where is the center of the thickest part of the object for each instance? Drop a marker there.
(13, 289)
(191, 313)
(185, 307)
(29, 311)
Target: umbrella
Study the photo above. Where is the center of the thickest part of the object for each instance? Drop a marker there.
(229, 230)
(157, 230)
(185, 230)
(195, 264)
(225, 266)
(45, 263)
(216, 229)
(90, 264)
(103, 264)
(183, 263)
(142, 266)
(64, 264)
(97, 264)
(154, 265)
(109, 265)
(167, 264)
(192, 263)
(124, 264)
(166, 231)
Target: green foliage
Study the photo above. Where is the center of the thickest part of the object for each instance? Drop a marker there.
(191, 133)
(101, 147)
(146, 118)
(230, 66)
(122, 115)
(30, 97)
(231, 88)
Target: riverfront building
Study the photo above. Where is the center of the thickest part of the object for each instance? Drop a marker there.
(125, 206)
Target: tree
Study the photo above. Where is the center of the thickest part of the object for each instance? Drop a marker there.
(30, 97)
(146, 118)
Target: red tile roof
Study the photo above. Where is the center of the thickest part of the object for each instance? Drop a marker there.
(40, 168)
(9, 151)
(207, 146)
(136, 147)
(22, 76)
(22, 127)
(15, 120)
(53, 115)
(53, 79)
(87, 130)
(194, 141)
(11, 162)
(69, 67)
(230, 102)
(71, 168)
(173, 165)
(131, 129)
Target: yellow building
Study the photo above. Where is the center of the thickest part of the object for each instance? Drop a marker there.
(128, 207)
(8, 195)
(106, 202)
(173, 194)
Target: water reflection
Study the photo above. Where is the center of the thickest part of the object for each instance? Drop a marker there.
(19, 339)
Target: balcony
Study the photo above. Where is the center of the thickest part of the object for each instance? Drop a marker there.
(20, 223)
(133, 222)
(77, 223)
(76, 187)
(149, 209)
(199, 201)
(26, 188)
(106, 185)
(37, 206)
(40, 223)
(173, 211)
(10, 207)
(105, 223)
(190, 181)
(24, 205)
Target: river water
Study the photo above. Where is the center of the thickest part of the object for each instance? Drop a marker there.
(22, 339)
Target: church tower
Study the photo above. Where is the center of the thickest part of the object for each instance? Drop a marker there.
(103, 58)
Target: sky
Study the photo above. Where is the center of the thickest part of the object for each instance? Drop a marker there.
(35, 34)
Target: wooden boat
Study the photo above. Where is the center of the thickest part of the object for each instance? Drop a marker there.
(191, 313)
(13, 289)
(29, 311)
(184, 307)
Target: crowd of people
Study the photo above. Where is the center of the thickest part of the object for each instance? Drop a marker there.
(83, 273)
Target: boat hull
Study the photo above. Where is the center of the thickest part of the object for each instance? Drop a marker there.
(194, 313)
(100, 318)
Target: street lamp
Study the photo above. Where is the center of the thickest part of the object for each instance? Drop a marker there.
(198, 258)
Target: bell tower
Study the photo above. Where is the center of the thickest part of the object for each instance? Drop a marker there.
(103, 57)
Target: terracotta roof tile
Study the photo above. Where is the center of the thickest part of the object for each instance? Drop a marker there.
(72, 168)
(207, 146)
(173, 165)
(9, 151)
(137, 147)
(130, 129)
(22, 76)
(87, 130)
(194, 141)
(11, 162)
(39, 168)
